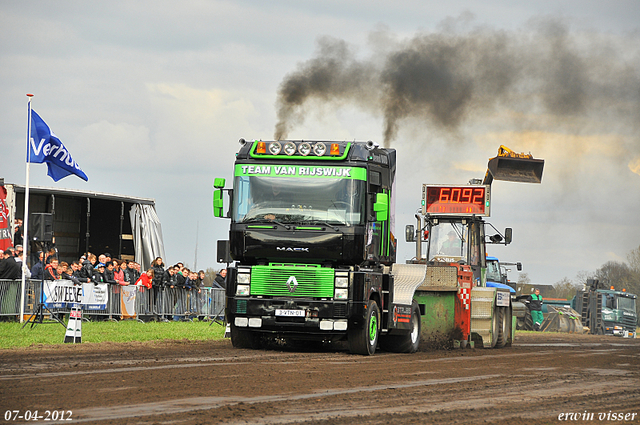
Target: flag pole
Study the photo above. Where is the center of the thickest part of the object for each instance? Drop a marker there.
(26, 241)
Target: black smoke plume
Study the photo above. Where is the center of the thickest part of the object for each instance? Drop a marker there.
(444, 78)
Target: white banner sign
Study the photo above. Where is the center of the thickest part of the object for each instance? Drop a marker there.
(64, 294)
(128, 301)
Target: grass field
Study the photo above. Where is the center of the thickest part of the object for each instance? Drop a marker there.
(12, 335)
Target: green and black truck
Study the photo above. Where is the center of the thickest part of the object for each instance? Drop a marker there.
(312, 241)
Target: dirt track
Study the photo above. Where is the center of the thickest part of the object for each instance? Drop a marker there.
(536, 380)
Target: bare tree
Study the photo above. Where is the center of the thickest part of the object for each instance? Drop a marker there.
(524, 278)
(614, 273)
(565, 288)
(582, 276)
(634, 259)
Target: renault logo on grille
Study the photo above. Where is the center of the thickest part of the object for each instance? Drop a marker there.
(292, 283)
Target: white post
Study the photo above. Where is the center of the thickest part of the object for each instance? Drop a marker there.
(25, 220)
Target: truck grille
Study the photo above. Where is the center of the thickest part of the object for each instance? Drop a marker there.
(629, 322)
(312, 281)
(340, 310)
(241, 307)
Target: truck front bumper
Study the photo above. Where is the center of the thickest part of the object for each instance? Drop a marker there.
(286, 316)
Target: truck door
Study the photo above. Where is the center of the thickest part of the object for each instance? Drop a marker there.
(379, 247)
(477, 257)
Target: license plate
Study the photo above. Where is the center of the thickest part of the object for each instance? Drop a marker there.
(291, 313)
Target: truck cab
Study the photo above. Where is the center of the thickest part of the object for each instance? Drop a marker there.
(619, 313)
(497, 275)
(606, 311)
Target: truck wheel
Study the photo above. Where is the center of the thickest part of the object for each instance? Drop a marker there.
(408, 342)
(364, 338)
(244, 339)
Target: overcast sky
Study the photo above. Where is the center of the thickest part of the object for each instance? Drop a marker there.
(150, 98)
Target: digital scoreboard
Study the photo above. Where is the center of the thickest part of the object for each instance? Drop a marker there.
(456, 200)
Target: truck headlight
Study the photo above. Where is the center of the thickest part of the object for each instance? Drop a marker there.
(319, 148)
(341, 294)
(342, 282)
(275, 148)
(243, 279)
(242, 290)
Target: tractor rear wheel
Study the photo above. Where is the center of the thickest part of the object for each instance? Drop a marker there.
(504, 327)
(496, 322)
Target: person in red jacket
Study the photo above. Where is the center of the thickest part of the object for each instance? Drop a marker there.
(146, 279)
(144, 284)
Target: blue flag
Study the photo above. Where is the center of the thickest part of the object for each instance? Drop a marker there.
(44, 146)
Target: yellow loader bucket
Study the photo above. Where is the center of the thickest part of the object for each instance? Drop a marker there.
(514, 167)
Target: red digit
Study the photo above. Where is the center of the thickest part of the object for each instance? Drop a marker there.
(455, 192)
(466, 195)
(444, 195)
(478, 198)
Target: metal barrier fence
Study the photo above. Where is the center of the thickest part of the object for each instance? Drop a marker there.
(139, 303)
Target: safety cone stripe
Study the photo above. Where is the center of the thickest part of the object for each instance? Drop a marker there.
(465, 297)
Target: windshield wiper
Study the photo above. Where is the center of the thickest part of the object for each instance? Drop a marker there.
(324, 223)
(266, 220)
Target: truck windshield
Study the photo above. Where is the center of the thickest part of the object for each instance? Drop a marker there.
(447, 241)
(493, 271)
(298, 200)
(625, 303)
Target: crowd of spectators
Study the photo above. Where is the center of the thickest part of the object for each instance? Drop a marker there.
(104, 269)
(155, 282)
(11, 263)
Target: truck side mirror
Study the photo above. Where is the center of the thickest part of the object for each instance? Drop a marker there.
(519, 266)
(410, 233)
(381, 207)
(508, 235)
(218, 202)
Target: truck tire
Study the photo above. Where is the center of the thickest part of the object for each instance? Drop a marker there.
(407, 342)
(364, 338)
(244, 339)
